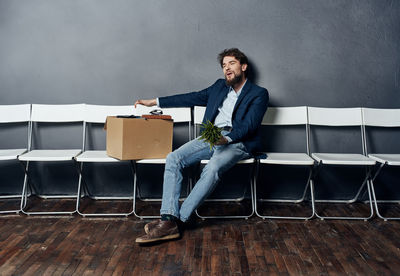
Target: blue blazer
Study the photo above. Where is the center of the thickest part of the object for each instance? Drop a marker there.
(247, 113)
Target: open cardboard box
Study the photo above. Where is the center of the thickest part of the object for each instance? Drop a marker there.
(138, 138)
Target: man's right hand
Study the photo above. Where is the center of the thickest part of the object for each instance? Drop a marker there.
(150, 102)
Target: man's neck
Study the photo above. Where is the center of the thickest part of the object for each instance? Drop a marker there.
(239, 85)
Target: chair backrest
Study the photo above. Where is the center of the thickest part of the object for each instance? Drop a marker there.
(337, 117)
(381, 117)
(15, 113)
(199, 114)
(178, 114)
(334, 116)
(99, 113)
(58, 113)
(296, 115)
(288, 116)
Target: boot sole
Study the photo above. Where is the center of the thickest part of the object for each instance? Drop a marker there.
(165, 238)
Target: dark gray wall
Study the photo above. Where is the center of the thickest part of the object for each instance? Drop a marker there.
(317, 53)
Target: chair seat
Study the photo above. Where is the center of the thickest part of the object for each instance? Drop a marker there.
(244, 161)
(151, 161)
(287, 159)
(390, 159)
(49, 155)
(10, 154)
(343, 159)
(95, 156)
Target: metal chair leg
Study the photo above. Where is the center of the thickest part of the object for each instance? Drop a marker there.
(238, 216)
(25, 200)
(251, 198)
(308, 184)
(16, 211)
(374, 196)
(364, 183)
(81, 184)
(134, 170)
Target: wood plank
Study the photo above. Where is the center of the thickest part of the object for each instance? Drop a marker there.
(105, 246)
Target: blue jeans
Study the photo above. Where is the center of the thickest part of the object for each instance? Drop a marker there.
(221, 159)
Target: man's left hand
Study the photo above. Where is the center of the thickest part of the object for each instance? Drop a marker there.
(222, 141)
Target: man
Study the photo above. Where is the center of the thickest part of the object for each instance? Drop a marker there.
(237, 106)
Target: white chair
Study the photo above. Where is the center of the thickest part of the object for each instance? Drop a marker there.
(14, 114)
(97, 114)
(51, 114)
(382, 118)
(287, 116)
(181, 115)
(335, 118)
(198, 119)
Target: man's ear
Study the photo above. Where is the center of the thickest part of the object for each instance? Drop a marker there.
(244, 67)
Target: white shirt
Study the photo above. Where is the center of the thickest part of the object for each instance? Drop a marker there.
(225, 111)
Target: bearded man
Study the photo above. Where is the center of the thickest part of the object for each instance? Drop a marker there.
(233, 104)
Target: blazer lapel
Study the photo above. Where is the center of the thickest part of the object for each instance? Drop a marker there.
(218, 101)
(241, 96)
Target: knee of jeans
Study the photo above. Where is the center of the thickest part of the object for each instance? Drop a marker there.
(173, 158)
(212, 168)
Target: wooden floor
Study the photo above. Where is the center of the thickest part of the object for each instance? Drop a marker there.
(72, 245)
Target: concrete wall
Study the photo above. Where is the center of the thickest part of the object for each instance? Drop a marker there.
(343, 53)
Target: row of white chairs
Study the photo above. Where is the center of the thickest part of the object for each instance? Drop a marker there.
(308, 117)
(65, 114)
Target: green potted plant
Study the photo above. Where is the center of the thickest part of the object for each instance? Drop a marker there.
(210, 133)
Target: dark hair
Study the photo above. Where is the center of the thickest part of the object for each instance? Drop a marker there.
(233, 52)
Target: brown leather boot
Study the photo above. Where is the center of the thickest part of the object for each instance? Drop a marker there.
(162, 231)
(149, 226)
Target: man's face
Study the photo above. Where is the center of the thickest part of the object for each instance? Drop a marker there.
(233, 70)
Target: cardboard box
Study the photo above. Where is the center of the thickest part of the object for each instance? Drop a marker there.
(138, 138)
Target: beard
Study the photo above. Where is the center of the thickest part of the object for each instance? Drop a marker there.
(233, 81)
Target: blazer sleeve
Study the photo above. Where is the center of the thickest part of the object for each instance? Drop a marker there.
(188, 99)
(253, 118)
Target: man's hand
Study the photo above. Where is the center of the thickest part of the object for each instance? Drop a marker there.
(151, 102)
(222, 141)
